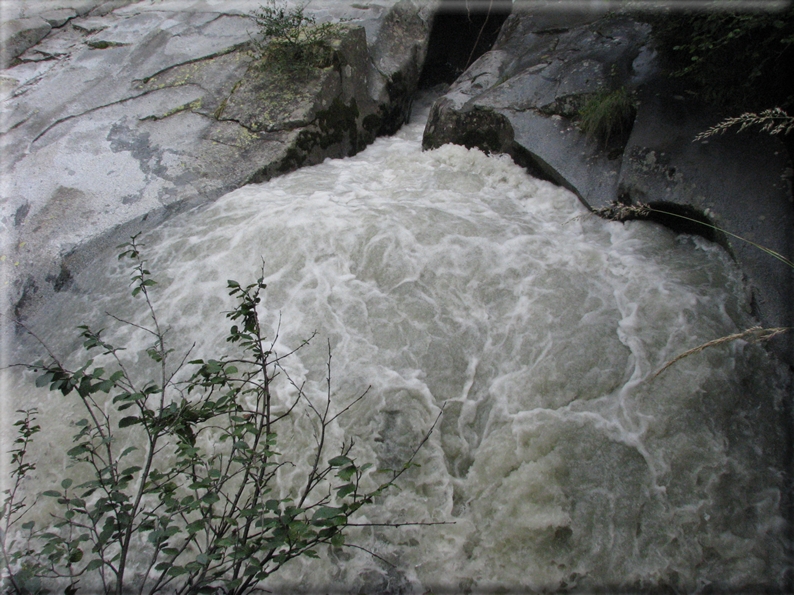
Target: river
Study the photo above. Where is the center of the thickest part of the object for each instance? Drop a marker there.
(452, 280)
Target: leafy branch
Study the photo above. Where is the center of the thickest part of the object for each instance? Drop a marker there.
(192, 465)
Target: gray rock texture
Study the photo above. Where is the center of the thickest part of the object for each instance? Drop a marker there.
(18, 35)
(135, 110)
(523, 98)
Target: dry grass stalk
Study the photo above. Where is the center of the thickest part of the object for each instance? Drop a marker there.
(772, 121)
(754, 334)
(617, 211)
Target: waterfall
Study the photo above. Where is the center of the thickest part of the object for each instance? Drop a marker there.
(452, 280)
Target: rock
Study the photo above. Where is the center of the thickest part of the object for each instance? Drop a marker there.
(90, 24)
(27, 8)
(109, 6)
(135, 115)
(58, 17)
(18, 35)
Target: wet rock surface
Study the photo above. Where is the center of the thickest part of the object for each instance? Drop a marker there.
(118, 114)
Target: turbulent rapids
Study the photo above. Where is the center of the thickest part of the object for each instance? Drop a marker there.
(452, 280)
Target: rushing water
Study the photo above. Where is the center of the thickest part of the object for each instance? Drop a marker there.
(450, 279)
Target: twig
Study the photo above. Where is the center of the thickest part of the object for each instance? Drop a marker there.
(476, 43)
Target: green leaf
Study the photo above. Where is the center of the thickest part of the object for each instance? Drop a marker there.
(93, 565)
(44, 379)
(345, 490)
(195, 526)
(272, 505)
(210, 498)
(326, 512)
(66, 484)
(346, 473)
(52, 494)
(75, 555)
(339, 461)
(129, 421)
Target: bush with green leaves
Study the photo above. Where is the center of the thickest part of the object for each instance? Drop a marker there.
(289, 39)
(608, 115)
(175, 478)
(732, 59)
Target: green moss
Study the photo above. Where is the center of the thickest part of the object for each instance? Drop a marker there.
(103, 45)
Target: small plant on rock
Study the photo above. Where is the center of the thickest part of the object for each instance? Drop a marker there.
(608, 115)
(289, 39)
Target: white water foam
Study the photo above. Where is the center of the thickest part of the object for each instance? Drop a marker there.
(451, 279)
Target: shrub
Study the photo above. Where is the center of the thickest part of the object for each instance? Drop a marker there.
(190, 464)
(289, 39)
(730, 59)
(608, 115)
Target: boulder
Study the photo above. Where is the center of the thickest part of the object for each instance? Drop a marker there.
(115, 122)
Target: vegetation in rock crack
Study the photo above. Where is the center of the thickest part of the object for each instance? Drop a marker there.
(608, 115)
(288, 39)
(176, 473)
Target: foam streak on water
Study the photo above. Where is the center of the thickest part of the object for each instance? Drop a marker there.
(452, 279)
